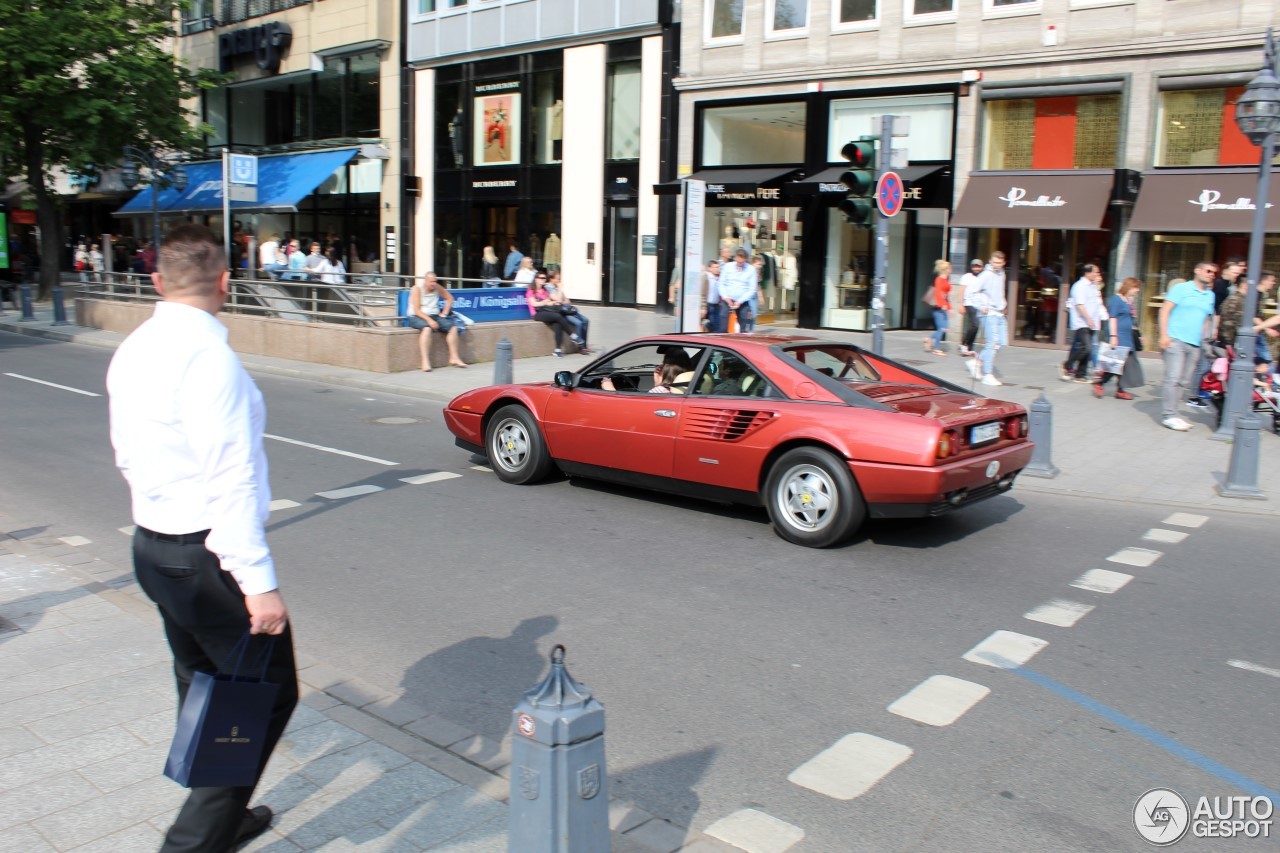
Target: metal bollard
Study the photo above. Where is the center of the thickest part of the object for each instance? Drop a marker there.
(1041, 435)
(59, 308)
(1242, 474)
(28, 311)
(559, 785)
(503, 371)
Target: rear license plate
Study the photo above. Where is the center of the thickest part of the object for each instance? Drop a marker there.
(983, 433)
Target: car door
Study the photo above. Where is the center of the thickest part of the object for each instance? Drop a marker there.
(727, 424)
(626, 429)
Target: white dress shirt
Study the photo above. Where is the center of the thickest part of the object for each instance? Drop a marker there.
(186, 424)
(738, 281)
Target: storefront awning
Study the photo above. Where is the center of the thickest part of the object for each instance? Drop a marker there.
(283, 181)
(1203, 201)
(734, 185)
(1068, 199)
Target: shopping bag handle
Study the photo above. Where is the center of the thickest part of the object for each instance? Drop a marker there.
(259, 664)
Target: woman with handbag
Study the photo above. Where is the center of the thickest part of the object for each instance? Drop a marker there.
(575, 317)
(1123, 332)
(938, 298)
(544, 309)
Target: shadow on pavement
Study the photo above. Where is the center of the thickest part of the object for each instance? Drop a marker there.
(675, 777)
(923, 533)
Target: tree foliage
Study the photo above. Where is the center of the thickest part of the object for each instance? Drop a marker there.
(82, 79)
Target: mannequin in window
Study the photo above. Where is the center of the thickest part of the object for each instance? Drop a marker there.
(455, 137)
(729, 241)
(551, 252)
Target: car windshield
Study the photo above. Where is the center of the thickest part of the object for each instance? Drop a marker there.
(838, 361)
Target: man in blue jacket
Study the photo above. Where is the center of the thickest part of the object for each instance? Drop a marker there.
(514, 257)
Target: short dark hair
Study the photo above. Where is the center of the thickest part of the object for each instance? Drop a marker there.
(1234, 259)
(1266, 274)
(191, 260)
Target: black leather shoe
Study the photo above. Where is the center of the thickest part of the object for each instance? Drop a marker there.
(255, 822)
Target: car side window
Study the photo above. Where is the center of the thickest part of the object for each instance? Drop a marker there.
(638, 369)
(835, 361)
(727, 374)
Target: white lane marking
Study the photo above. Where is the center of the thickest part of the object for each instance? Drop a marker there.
(74, 541)
(756, 832)
(434, 477)
(53, 385)
(350, 492)
(851, 766)
(1060, 612)
(484, 468)
(1253, 667)
(282, 503)
(128, 530)
(1186, 519)
(1101, 580)
(1157, 534)
(939, 700)
(1005, 650)
(329, 449)
(1140, 557)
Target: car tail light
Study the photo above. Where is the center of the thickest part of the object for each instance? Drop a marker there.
(948, 444)
(1016, 427)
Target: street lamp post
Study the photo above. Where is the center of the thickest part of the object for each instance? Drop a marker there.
(1258, 117)
(164, 173)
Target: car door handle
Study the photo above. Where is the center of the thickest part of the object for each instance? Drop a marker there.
(664, 413)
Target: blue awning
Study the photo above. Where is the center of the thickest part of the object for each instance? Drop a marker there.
(283, 181)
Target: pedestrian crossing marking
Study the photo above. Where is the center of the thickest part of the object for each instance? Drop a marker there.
(1101, 580)
(282, 503)
(1060, 612)
(1140, 557)
(433, 477)
(1157, 534)
(1005, 650)
(939, 700)
(74, 541)
(851, 766)
(756, 832)
(1186, 519)
(349, 492)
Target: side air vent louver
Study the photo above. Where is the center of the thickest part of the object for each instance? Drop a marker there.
(723, 424)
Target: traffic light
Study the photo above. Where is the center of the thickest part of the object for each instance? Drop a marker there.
(859, 179)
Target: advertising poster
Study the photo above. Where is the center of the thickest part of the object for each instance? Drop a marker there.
(496, 133)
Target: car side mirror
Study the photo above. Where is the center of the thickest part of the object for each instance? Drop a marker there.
(564, 379)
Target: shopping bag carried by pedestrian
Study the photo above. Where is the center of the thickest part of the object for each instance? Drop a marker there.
(223, 722)
(1111, 359)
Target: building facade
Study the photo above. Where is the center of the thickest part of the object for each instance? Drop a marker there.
(1063, 132)
(537, 124)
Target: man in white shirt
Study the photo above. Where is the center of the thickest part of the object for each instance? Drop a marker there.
(969, 290)
(186, 424)
(991, 303)
(1084, 311)
(267, 256)
(739, 282)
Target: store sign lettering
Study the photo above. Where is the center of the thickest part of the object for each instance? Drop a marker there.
(488, 185)
(265, 43)
(761, 192)
(1208, 201)
(914, 193)
(1017, 197)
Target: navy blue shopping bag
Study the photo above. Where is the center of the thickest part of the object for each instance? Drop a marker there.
(222, 724)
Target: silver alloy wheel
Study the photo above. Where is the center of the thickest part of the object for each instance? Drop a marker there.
(806, 497)
(510, 445)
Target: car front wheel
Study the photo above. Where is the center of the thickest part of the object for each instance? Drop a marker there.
(812, 498)
(517, 452)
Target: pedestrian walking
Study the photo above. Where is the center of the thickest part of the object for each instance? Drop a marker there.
(512, 263)
(187, 424)
(968, 292)
(1122, 331)
(82, 261)
(489, 267)
(990, 300)
(97, 262)
(1084, 307)
(1186, 320)
(738, 284)
(713, 316)
(938, 298)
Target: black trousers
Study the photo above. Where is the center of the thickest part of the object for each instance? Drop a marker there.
(970, 333)
(1081, 348)
(204, 616)
(558, 322)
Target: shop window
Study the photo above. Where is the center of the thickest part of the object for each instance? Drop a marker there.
(724, 19)
(451, 127)
(1198, 128)
(931, 123)
(930, 10)
(787, 17)
(427, 7)
(753, 135)
(624, 111)
(854, 14)
(1070, 132)
(215, 116)
(548, 116)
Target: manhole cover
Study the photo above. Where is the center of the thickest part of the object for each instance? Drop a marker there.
(396, 421)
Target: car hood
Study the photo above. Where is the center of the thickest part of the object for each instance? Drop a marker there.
(930, 401)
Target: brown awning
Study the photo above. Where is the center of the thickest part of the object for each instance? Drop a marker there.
(1071, 199)
(1203, 201)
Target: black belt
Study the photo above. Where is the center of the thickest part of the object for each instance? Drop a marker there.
(180, 538)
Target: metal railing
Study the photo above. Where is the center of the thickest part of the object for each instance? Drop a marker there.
(362, 299)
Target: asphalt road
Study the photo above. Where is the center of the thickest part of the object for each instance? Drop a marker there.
(727, 658)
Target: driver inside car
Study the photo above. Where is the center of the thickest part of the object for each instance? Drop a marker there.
(674, 364)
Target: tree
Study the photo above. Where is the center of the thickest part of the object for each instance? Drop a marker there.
(82, 79)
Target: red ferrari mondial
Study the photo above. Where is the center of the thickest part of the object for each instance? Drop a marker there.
(821, 433)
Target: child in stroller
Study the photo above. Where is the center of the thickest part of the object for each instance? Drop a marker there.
(1265, 398)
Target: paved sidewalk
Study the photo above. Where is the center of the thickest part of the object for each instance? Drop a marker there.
(1106, 449)
(87, 713)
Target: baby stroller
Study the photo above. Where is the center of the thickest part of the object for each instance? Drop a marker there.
(1266, 394)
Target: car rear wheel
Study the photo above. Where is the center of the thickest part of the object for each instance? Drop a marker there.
(517, 452)
(812, 498)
